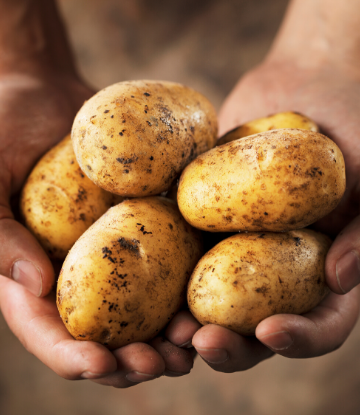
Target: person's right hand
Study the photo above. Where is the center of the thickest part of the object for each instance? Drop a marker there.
(35, 113)
(40, 93)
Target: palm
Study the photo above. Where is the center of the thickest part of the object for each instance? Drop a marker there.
(34, 115)
(331, 99)
(334, 108)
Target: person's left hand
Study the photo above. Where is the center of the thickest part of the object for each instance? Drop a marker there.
(330, 97)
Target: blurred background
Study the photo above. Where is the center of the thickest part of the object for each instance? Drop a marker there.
(208, 45)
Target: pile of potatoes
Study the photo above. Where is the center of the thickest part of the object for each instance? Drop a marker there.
(270, 185)
(96, 201)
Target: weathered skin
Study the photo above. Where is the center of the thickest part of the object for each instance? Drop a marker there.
(287, 119)
(249, 277)
(273, 181)
(59, 202)
(135, 138)
(126, 276)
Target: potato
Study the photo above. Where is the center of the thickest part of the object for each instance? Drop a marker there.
(126, 276)
(287, 119)
(249, 277)
(274, 181)
(58, 202)
(135, 138)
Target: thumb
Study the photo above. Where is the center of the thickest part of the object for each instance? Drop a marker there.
(343, 260)
(21, 256)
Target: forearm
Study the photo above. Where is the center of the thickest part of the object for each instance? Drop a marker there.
(32, 38)
(316, 32)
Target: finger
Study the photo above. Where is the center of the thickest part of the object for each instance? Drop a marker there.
(343, 260)
(37, 324)
(226, 351)
(21, 256)
(178, 361)
(136, 363)
(182, 328)
(322, 330)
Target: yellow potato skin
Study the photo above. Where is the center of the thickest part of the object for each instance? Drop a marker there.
(58, 202)
(249, 277)
(134, 138)
(273, 181)
(288, 119)
(126, 276)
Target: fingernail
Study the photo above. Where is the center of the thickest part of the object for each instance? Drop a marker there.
(186, 345)
(213, 355)
(92, 375)
(26, 274)
(280, 340)
(137, 377)
(348, 271)
(172, 374)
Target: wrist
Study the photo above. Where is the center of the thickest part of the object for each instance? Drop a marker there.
(319, 34)
(33, 39)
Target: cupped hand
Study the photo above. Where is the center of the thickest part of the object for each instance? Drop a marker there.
(330, 97)
(36, 112)
(37, 324)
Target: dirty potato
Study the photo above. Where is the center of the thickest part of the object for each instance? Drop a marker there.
(249, 277)
(126, 276)
(58, 202)
(274, 181)
(288, 119)
(134, 138)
